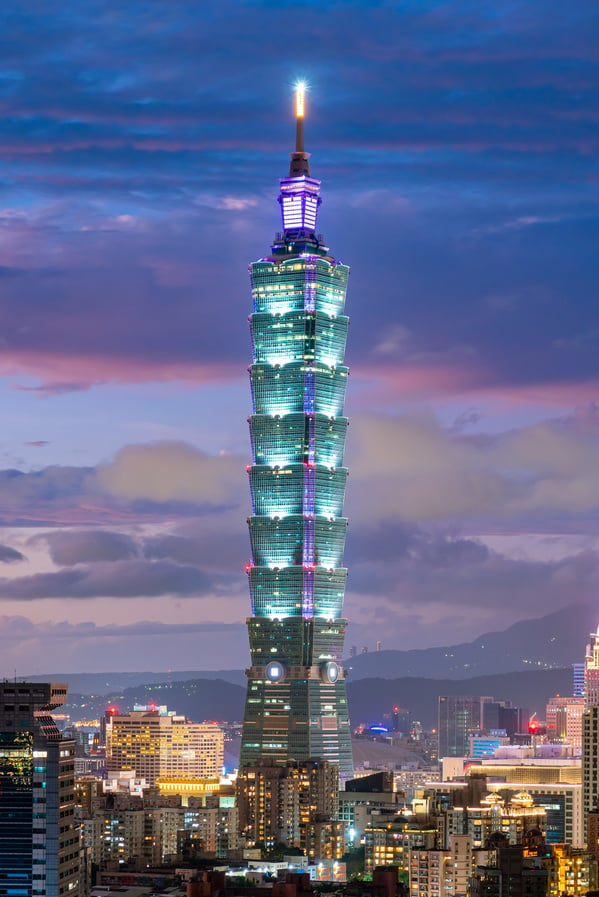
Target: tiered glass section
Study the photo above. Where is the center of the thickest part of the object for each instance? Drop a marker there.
(296, 700)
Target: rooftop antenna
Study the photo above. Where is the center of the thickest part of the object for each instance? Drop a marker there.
(300, 108)
(299, 159)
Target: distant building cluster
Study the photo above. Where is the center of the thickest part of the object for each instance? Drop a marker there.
(511, 800)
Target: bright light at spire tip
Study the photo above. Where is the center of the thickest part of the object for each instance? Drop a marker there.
(300, 95)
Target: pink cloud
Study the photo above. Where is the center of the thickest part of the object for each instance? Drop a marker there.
(71, 373)
(467, 381)
(551, 395)
(387, 383)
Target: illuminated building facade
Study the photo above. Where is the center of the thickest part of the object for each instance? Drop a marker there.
(39, 839)
(590, 730)
(442, 873)
(573, 871)
(513, 818)
(591, 672)
(157, 827)
(590, 766)
(295, 804)
(156, 743)
(296, 705)
(563, 718)
(388, 843)
(578, 680)
(555, 789)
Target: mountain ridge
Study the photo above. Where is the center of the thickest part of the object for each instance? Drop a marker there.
(370, 700)
(554, 641)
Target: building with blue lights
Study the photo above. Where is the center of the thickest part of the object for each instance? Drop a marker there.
(296, 706)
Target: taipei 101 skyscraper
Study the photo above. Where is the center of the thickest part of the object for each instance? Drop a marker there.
(296, 705)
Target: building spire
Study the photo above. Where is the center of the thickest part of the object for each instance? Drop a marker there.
(299, 159)
(300, 107)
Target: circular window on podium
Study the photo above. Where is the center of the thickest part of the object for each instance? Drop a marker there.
(330, 672)
(275, 671)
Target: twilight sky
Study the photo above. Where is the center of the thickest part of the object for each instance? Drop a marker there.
(140, 148)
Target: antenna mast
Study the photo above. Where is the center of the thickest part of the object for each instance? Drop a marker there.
(300, 105)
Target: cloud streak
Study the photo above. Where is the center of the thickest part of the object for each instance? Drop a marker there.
(118, 579)
(21, 628)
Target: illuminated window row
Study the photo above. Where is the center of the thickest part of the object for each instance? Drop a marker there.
(328, 639)
(280, 543)
(279, 593)
(297, 335)
(290, 637)
(298, 489)
(282, 390)
(294, 438)
(283, 287)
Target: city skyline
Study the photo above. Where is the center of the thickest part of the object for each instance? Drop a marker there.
(459, 152)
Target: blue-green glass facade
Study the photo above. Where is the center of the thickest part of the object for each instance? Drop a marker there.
(296, 705)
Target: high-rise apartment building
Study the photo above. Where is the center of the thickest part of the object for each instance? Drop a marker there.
(590, 763)
(563, 718)
(296, 705)
(591, 671)
(39, 840)
(293, 804)
(442, 873)
(121, 827)
(157, 743)
(590, 731)
(593, 833)
(578, 680)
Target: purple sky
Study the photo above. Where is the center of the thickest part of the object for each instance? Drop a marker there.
(141, 145)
